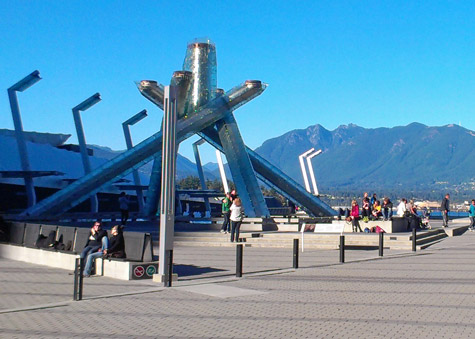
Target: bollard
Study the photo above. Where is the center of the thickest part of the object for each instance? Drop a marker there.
(414, 238)
(296, 253)
(81, 278)
(239, 261)
(76, 278)
(381, 243)
(342, 248)
(170, 268)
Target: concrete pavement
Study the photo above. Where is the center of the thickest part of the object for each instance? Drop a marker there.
(429, 294)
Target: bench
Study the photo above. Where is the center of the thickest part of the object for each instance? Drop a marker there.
(139, 263)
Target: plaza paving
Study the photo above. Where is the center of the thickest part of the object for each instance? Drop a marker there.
(429, 294)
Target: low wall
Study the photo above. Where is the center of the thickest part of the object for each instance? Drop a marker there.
(124, 270)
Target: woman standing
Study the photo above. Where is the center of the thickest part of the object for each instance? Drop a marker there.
(237, 212)
(355, 215)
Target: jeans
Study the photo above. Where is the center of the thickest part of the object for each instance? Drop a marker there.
(91, 253)
(90, 260)
(472, 222)
(124, 215)
(226, 225)
(445, 218)
(387, 213)
(88, 250)
(235, 226)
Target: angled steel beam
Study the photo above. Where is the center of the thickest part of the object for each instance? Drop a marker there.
(199, 168)
(83, 106)
(128, 141)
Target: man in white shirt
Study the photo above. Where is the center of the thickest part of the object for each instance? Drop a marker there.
(401, 208)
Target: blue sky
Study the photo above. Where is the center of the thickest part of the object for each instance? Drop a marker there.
(372, 63)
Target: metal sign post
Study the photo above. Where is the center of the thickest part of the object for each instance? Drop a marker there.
(167, 200)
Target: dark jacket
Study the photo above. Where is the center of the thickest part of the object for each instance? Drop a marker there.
(445, 205)
(116, 246)
(97, 238)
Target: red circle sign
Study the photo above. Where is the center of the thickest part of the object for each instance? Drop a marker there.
(139, 271)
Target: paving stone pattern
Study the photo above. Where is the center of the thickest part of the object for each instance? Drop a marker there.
(430, 294)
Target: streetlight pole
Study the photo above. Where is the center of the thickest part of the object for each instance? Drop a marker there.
(302, 167)
(128, 141)
(310, 170)
(83, 106)
(21, 86)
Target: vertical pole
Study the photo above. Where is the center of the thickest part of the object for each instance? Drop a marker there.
(414, 239)
(167, 200)
(76, 278)
(170, 268)
(22, 150)
(381, 243)
(296, 253)
(342, 248)
(239, 261)
(81, 278)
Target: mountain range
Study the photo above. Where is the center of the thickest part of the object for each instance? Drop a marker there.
(413, 157)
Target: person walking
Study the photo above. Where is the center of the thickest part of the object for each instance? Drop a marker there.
(444, 209)
(471, 214)
(355, 216)
(124, 208)
(225, 209)
(237, 213)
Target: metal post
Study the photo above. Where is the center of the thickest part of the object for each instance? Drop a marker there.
(381, 243)
(86, 104)
(296, 253)
(167, 200)
(170, 269)
(81, 277)
(20, 86)
(302, 167)
(342, 248)
(414, 239)
(239, 261)
(77, 271)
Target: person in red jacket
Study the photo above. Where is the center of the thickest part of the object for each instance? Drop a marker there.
(355, 216)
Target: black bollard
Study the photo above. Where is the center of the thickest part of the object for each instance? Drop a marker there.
(296, 253)
(239, 261)
(414, 239)
(76, 278)
(342, 248)
(381, 243)
(170, 268)
(81, 278)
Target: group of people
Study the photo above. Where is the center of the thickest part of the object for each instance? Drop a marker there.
(371, 209)
(100, 245)
(233, 213)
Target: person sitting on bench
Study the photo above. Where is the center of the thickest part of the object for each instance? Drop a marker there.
(91, 258)
(116, 244)
(94, 242)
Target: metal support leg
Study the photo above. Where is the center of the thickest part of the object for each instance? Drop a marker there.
(381, 243)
